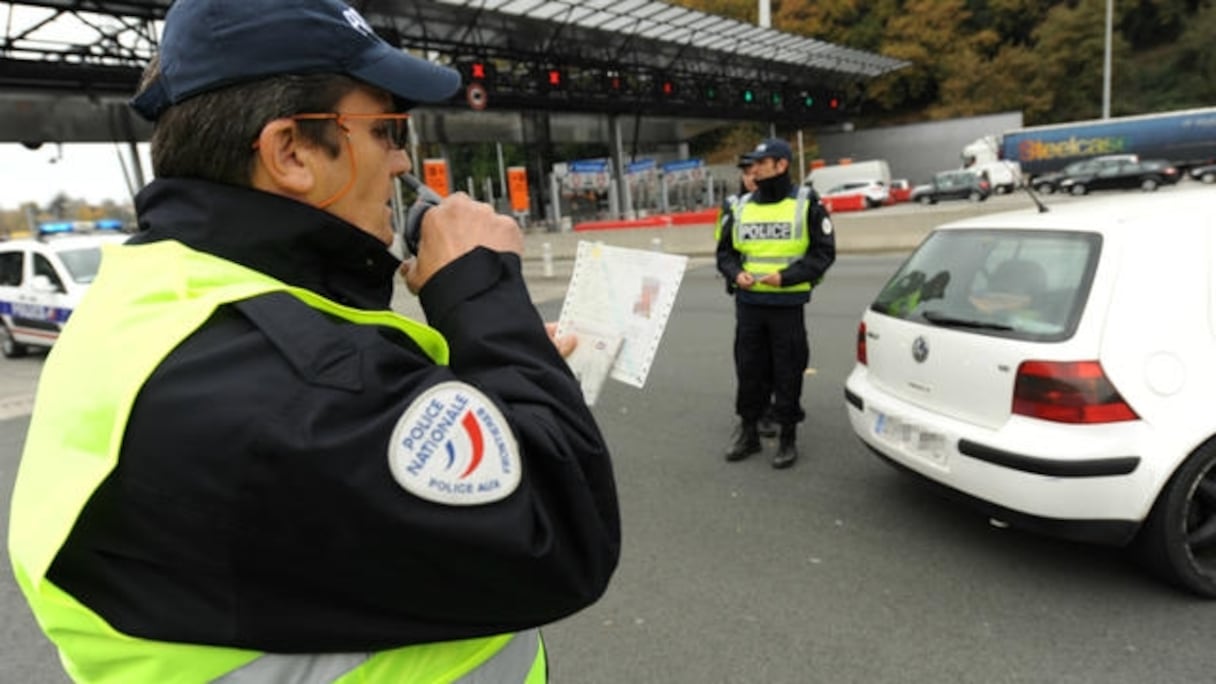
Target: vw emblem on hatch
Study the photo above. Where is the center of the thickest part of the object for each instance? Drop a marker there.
(920, 349)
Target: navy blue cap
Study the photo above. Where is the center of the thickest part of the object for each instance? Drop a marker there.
(210, 44)
(774, 148)
(745, 160)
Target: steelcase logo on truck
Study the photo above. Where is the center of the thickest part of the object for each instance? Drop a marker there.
(1038, 150)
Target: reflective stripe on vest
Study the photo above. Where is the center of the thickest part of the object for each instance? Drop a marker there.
(768, 240)
(511, 663)
(145, 300)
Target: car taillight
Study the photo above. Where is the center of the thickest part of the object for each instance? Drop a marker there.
(1068, 392)
(861, 343)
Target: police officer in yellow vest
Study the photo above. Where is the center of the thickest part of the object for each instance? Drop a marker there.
(775, 247)
(241, 466)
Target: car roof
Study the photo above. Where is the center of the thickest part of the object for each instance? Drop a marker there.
(59, 243)
(1104, 214)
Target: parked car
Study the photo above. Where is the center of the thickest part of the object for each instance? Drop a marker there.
(1058, 370)
(1049, 182)
(874, 192)
(1206, 174)
(949, 185)
(901, 190)
(1146, 174)
(41, 282)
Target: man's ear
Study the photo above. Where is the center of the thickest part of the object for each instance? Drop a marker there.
(283, 160)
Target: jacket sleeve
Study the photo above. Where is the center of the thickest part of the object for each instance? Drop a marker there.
(820, 253)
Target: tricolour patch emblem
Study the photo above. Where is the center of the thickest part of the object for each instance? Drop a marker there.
(453, 446)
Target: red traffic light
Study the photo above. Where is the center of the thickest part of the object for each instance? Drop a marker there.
(478, 70)
(555, 78)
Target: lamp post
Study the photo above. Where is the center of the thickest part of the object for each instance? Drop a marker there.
(1106, 61)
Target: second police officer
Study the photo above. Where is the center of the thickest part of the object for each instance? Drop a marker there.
(775, 246)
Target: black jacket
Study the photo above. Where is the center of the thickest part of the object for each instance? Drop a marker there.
(819, 256)
(253, 504)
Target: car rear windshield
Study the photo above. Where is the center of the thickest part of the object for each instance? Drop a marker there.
(1021, 284)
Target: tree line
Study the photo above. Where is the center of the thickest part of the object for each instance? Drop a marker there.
(1041, 57)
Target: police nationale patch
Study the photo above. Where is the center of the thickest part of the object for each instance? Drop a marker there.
(453, 446)
(827, 226)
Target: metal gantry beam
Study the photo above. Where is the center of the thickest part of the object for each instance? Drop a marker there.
(666, 59)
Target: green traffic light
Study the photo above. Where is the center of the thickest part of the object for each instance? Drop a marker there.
(748, 96)
(808, 101)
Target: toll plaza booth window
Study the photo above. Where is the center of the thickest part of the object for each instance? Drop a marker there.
(11, 267)
(1021, 284)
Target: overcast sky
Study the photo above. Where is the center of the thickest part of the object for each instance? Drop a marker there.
(89, 171)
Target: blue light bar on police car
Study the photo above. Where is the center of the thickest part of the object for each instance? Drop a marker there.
(51, 227)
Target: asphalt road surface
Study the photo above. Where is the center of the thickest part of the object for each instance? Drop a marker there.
(838, 570)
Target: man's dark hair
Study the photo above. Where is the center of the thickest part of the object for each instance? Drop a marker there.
(211, 135)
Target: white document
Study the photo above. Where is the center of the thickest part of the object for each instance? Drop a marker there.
(619, 292)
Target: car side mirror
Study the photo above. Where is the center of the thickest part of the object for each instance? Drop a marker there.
(43, 284)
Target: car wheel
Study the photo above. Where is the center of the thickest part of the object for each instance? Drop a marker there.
(975, 196)
(925, 199)
(1078, 189)
(1179, 538)
(1149, 184)
(1045, 189)
(12, 349)
(1209, 177)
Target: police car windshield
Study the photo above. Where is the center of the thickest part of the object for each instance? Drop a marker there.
(82, 263)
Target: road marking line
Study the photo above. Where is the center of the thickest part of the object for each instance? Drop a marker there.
(16, 405)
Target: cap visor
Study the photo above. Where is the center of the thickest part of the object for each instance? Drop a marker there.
(407, 76)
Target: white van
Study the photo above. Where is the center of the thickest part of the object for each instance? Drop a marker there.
(1003, 176)
(825, 178)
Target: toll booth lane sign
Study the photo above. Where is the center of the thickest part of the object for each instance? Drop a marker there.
(435, 175)
(517, 188)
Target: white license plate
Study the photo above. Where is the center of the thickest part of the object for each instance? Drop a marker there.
(911, 438)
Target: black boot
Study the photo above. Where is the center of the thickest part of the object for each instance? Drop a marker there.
(768, 426)
(787, 450)
(747, 442)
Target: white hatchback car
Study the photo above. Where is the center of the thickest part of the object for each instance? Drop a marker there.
(41, 282)
(1058, 370)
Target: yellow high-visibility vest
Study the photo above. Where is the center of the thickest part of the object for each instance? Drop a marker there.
(771, 237)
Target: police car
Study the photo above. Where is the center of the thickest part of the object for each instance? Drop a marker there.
(42, 280)
(1058, 371)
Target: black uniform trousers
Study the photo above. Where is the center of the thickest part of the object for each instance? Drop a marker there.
(771, 356)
